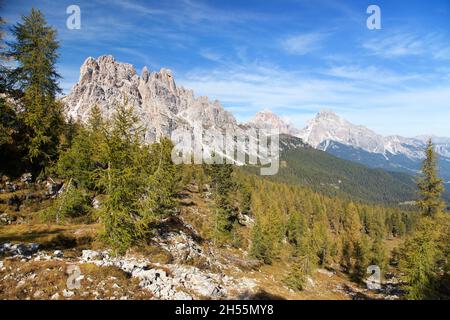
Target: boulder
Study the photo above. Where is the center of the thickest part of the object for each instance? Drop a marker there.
(7, 219)
(23, 250)
(26, 178)
(68, 293)
(53, 187)
(90, 255)
(58, 254)
(96, 203)
(55, 296)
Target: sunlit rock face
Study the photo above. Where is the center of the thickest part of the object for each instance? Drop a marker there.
(160, 104)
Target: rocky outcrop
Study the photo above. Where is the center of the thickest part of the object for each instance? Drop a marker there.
(18, 250)
(173, 281)
(161, 105)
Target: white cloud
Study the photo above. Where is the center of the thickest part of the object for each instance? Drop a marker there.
(390, 103)
(371, 74)
(211, 55)
(402, 44)
(302, 44)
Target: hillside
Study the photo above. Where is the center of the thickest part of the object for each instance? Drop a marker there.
(180, 262)
(304, 165)
(329, 132)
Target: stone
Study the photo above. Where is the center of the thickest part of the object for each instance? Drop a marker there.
(89, 255)
(11, 187)
(22, 250)
(53, 187)
(55, 296)
(96, 203)
(58, 254)
(68, 293)
(6, 219)
(180, 295)
(311, 282)
(20, 283)
(26, 178)
(325, 272)
(38, 294)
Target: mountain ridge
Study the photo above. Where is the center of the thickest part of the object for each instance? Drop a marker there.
(163, 107)
(343, 139)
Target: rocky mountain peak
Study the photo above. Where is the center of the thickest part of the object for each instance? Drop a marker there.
(161, 105)
(326, 114)
(266, 119)
(328, 126)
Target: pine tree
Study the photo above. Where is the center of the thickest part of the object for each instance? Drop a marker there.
(362, 258)
(422, 256)
(430, 186)
(4, 70)
(84, 158)
(10, 126)
(35, 51)
(223, 185)
(162, 183)
(122, 180)
(305, 262)
(267, 234)
(379, 254)
(418, 260)
(351, 236)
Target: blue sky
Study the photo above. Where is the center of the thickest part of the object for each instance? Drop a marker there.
(293, 57)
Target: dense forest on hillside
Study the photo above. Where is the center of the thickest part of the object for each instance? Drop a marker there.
(306, 166)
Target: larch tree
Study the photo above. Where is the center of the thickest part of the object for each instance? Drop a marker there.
(430, 185)
(35, 51)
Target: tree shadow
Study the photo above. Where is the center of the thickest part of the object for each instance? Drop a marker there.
(259, 295)
(48, 240)
(29, 236)
(356, 295)
(175, 224)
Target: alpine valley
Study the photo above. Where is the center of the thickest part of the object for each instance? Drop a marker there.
(325, 155)
(99, 199)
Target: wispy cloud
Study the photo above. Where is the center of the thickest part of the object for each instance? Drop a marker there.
(371, 74)
(402, 44)
(302, 44)
(364, 95)
(210, 55)
(135, 6)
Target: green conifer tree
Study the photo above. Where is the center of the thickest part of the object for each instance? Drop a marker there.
(35, 51)
(430, 185)
(418, 260)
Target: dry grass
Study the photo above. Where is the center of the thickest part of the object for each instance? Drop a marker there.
(51, 236)
(195, 210)
(44, 279)
(151, 252)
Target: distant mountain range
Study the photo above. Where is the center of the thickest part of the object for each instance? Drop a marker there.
(343, 139)
(335, 135)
